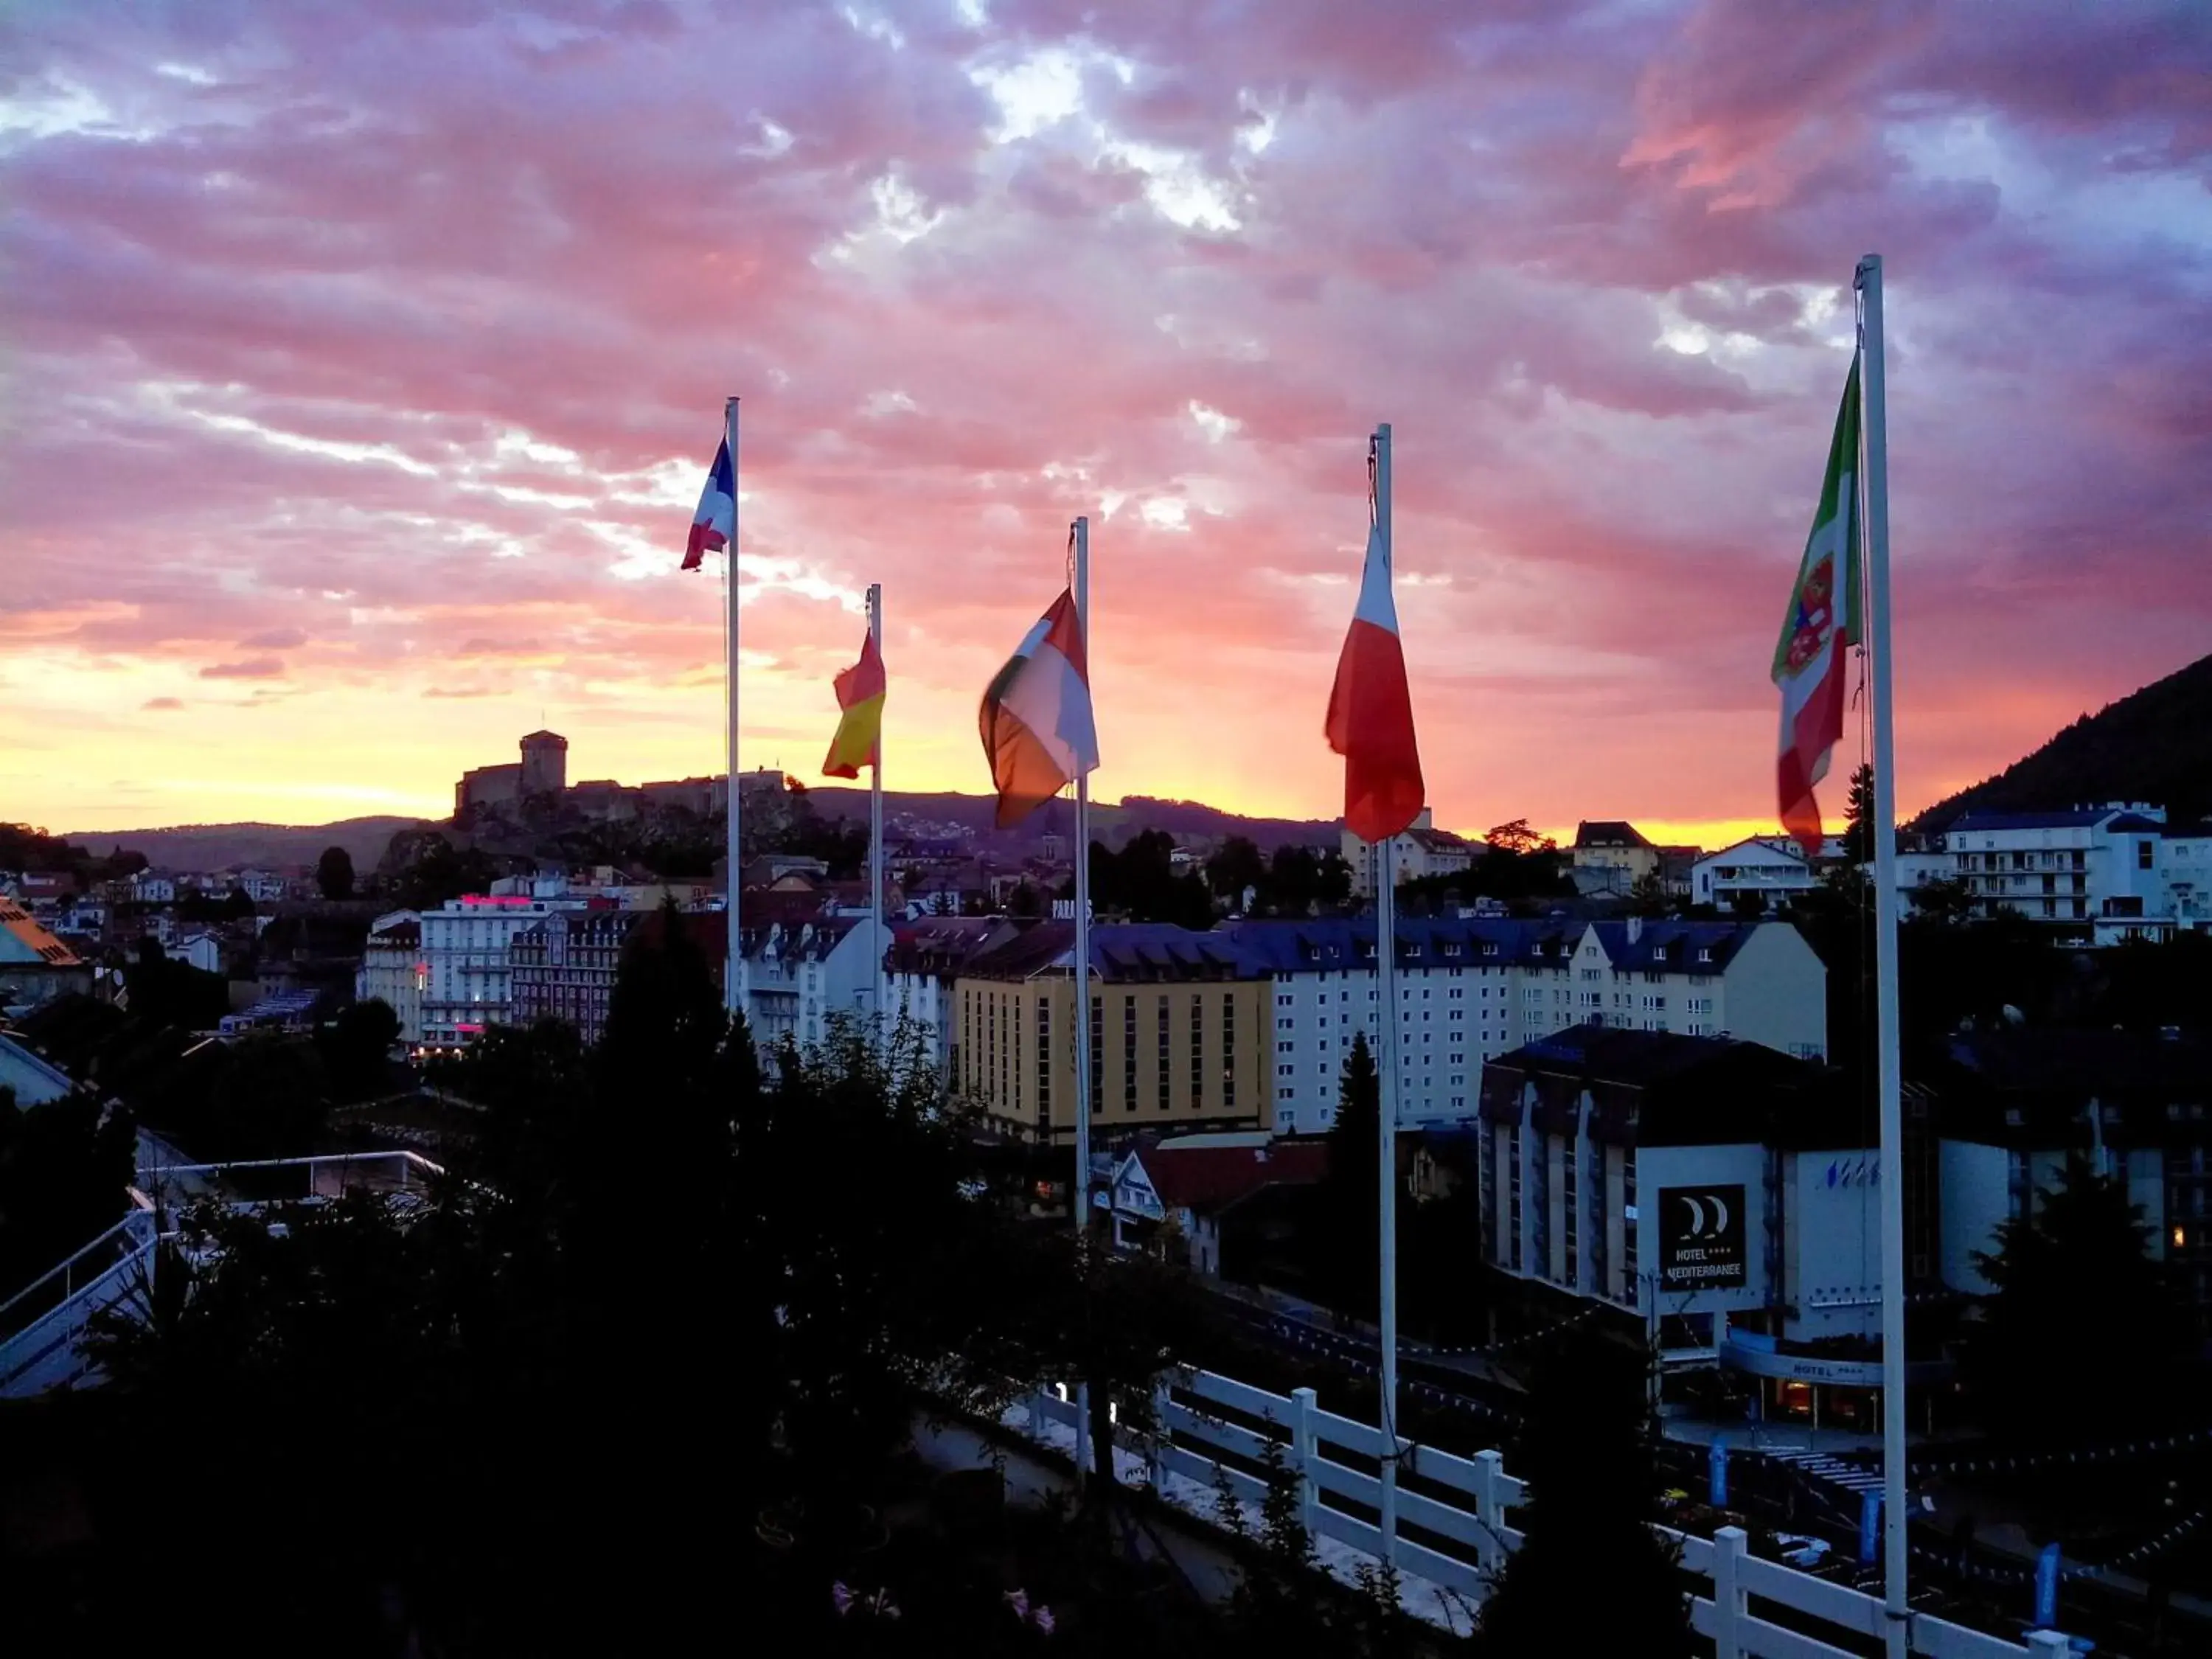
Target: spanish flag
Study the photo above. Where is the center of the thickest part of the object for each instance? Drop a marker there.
(861, 695)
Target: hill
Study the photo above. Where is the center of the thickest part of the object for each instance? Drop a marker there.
(198, 847)
(2153, 745)
(1111, 825)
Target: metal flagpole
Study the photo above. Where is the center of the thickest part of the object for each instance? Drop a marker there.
(1080, 978)
(1879, 666)
(876, 829)
(1386, 970)
(733, 997)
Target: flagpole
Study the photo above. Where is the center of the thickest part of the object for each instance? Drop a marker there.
(1879, 666)
(1386, 969)
(733, 998)
(876, 830)
(1082, 975)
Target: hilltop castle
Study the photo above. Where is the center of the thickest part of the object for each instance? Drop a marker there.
(543, 771)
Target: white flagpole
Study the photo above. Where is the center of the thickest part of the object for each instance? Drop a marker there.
(1386, 1054)
(1082, 974)
(876, 831)
(1879, 666)
(734, 996)
(1080, 978)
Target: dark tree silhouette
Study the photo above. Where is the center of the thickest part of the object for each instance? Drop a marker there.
(334, 873)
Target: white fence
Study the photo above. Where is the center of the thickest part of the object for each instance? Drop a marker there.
(1475, 1517)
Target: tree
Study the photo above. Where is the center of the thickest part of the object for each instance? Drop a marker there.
(1947, 899)
(1236, 868)
(64, 1169)
(334, 873)
(237, 905)
(2082, 1331)
(357, 1049)
(1348, 1204)
(1025, 900)
(1586, 1451)
(1859, 817)
(1517, 838)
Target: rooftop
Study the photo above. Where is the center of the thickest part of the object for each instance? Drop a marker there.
(1212, 1178)
(23, 939)
(1609, 832)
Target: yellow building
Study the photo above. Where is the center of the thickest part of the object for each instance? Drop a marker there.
(1181, 1033)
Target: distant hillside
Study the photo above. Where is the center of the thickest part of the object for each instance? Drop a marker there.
(1109, 824)
(220, 846)
(2154, 745)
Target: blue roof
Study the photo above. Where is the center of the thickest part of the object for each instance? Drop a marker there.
(2134, 824)
(1673, 943)
(1335, 945)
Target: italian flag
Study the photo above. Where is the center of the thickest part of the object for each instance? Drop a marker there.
(861, 695)
(1823, 623)
(1035, 718)
(1371, 711)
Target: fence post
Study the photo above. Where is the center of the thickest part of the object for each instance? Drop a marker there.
(1304, 1450)
(1490, 1547)
(1157, 1462)
(1730, 1606)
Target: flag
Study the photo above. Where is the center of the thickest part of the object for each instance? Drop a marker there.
(716, 521)
(1371, 711)
(1035, 718)
(861, 695)
(1823, 623)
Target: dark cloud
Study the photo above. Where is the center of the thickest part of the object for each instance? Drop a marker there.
(253, 668)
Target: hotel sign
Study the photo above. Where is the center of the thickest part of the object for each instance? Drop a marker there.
(1701, 1238)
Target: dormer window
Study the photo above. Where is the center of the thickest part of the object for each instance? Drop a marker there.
(1704, 953)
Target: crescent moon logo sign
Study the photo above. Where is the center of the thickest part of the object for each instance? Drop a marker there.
(1720, 1217)
(1697, 1215)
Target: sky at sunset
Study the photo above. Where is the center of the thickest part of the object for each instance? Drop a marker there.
(363, 361)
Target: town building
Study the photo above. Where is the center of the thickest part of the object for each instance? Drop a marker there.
(36, 966)
(467, 978)
(202, 950)
(1472, 987)
(2095, 868)
(923, 968)
(2186, 872)
(1179, 1032)
(564, 968)
(1610, 857)
(1183, 1195)
(1763, 872)
(2012, 1104)
(799, 977)
(392, 970)
(1423, 851)
(1720, 1196)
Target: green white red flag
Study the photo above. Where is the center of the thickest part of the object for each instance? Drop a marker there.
(1810, 666)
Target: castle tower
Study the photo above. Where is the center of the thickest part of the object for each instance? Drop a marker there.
(544, 763)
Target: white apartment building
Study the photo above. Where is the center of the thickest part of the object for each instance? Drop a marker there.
(1472, 988)
(794, 977)
(466, 982)
(1771, 869)
(2098, 867)
(393, 970)
(2185, 869)
(1424, 850)
(149, 887)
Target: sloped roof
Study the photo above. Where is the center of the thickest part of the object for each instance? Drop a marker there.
(2077, 818)
(1208, 1179)
(1120, 951)
(1609, 832)
(23, 939)
(1676, 944)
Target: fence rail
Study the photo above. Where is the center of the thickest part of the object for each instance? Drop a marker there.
(1319, 1452)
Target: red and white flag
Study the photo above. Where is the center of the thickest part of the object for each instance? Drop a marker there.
(1811, 661)
(1037, 726)
(1371, 711)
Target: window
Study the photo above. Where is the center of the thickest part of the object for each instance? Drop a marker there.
(1628, 1218)
(2144, 854)
(1286, 1047)
(1160, 1061)
(1228, 1050)
(1097, 1048)
(1129, 1052)
(1044, 1060)
(1197, 1050)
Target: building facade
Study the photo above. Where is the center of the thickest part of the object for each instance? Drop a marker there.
(1611, 856)
(467, 972)
(564, 968)
(1471, 988)
(393, 972)
(1766, 871)
(922, 971)
(2091, 866)
(1717, 1192)
(1179, 1033)
(799, 977)
(1423, 851)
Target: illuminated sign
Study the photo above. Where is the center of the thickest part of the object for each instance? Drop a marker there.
(1701, 1237)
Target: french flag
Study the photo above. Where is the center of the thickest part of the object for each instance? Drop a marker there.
(716, 521)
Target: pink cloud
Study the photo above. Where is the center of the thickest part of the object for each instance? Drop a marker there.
(391, 318)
